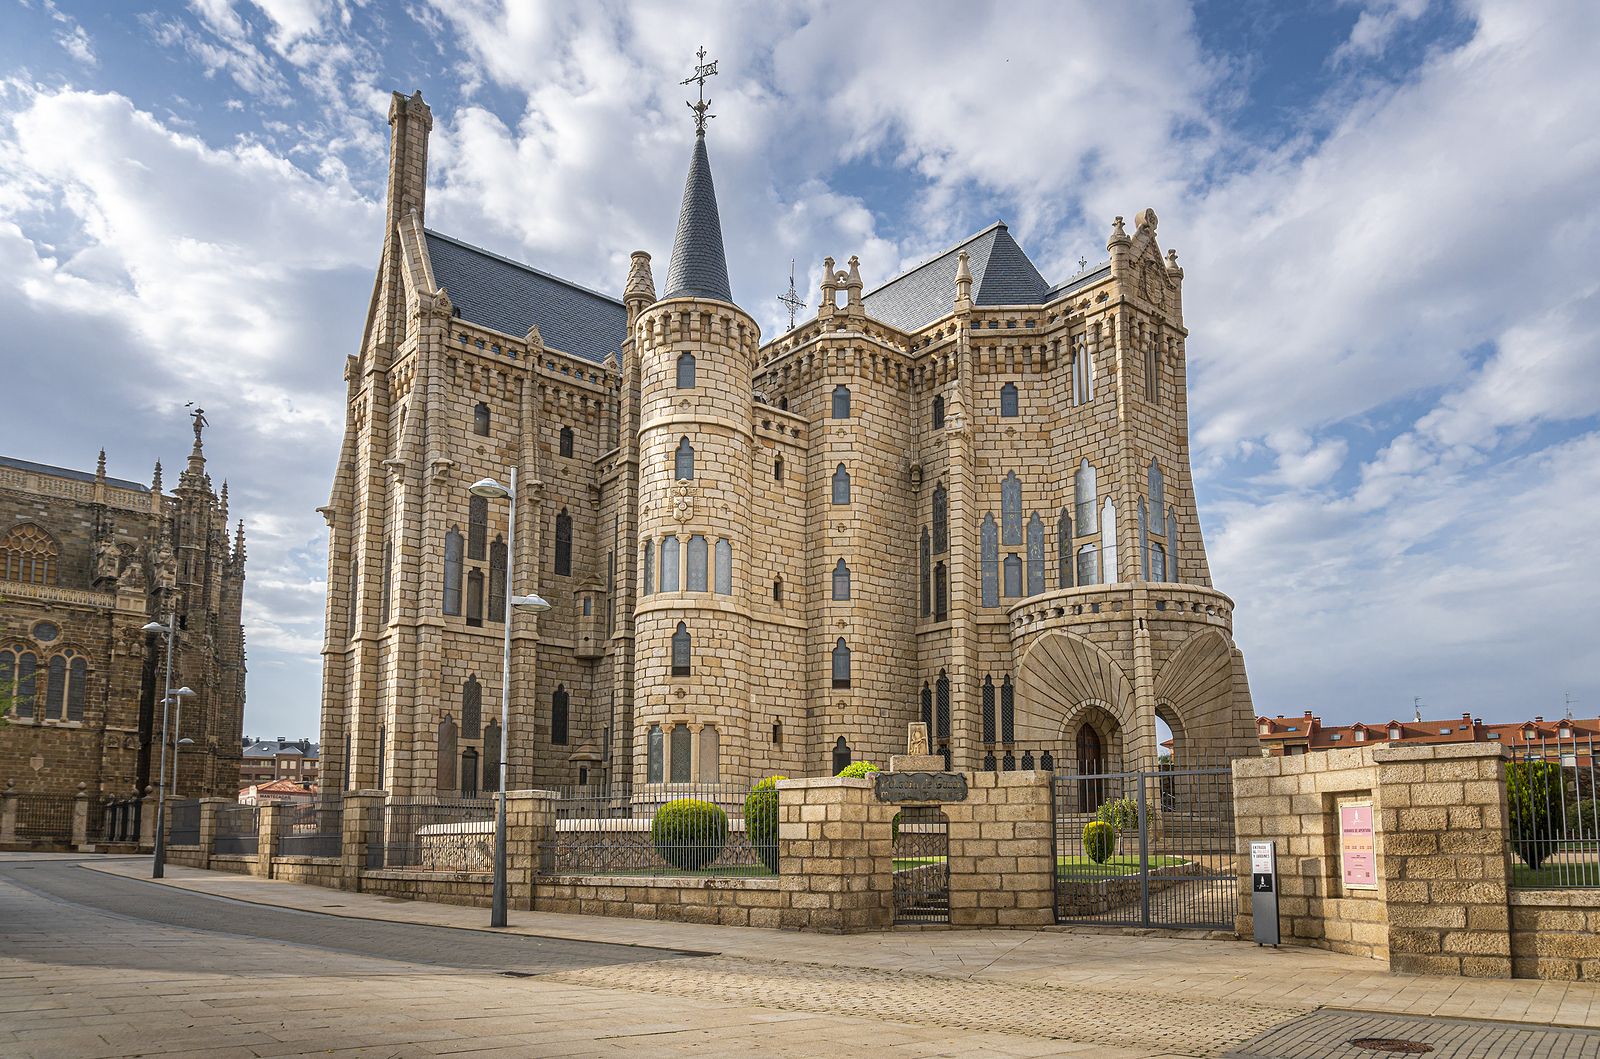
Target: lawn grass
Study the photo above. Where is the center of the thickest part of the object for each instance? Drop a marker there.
(1078, 866)
(1550, 876)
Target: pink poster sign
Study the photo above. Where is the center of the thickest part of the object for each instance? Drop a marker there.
(1357, 851)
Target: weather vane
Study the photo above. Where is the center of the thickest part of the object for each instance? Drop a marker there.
(791, 299)
(702, 109)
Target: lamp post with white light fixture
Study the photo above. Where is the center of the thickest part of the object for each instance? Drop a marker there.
(158, 863)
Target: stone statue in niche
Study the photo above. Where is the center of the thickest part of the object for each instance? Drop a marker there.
(107, 557)
(132, 570)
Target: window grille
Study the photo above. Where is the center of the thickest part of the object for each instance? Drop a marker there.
(654, 754)
(681, 760)
(1008, 712)
(477, 526)
(942, 697)
(452, 574)
(697, 563)
(941, 592)
(563, 544)
(471, 708)
(927, 708)
(497, 580)
(988, 709)
(1011, 509)
(841, 485)
(558, 716)
(841, 580)
(491, 757)
(1035, 554)
(841, 402)
(647, 582)
(683, 461)
(669, 564)
(989, 561)
(686, 371)
(1064, 550)
(925, 569)
(941, 519)
(1008, 400)
(682, 651)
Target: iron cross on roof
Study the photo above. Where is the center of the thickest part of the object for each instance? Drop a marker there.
(791, 299)
(702, 109)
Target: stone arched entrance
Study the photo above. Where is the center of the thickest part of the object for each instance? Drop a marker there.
(1075, 701)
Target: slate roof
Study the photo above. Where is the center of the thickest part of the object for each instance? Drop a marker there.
(699, 267)
(66, 472)
(508, 296)
(266, 748)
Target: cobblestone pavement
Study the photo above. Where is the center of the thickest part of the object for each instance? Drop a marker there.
(1333, 1035)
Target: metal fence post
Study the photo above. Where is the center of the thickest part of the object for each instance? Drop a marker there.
(1144, 856)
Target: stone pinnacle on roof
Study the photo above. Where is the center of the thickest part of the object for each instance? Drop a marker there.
(699, 267)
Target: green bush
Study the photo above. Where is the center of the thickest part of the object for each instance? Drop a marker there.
(859, 769)
(1099, 841)
(689, 833)
(1121, 813)
(761, 820)
(1536, 798)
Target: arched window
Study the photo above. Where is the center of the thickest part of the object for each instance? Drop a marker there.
(1108, 540)
(698, 557)
(1084, 492)
(55, 690)
(471, 708)
(1064, 549)
(497, 580)
(683, 461)
(474, 597)
(17, 681)
(841, 485)
(925, 568)
(480, 420)
(989, 560)
(469, 773)
(355, 587)
(669, 564)
(1157, 488)
(841, 755)
(841, 664)
(654, 754)
(710, 751)
(941, 519)
(927, 708)
(1082, 373)
(682, 651)
(1172, 545)
(563, 544)
(783, 403)
(938, 412)
(30, 555)
(647, 583)
(445, 745)
(777, 590)
(841, 402)
(682, 758)
(1035, 554)
(724, 568)
(558, 716)
(1158, 563)
(841, 580)
(78, 689)
(1011, 509)
(566, 441)
(388, 580)
(941, 714)
(1152, 368)
(1013, 575)
(941, 592)
(1144, 544)
(777, 468)
(686, 371)
(1008, 712)
(988, 709)
(1008, 400)
(452, 573)
(1091, 762)
(477, 526)
(1088, 565)
(491, 757)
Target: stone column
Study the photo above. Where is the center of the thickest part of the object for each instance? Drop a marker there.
(80, 820)
(835, 856)
(208, 826)
(530, 831)
(8, 812)
(1000, 857)
(146, 838)
(363, 815)
(270, 821)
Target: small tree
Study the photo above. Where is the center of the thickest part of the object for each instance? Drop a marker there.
(761, 820)
(689, 833)
(1099, 841)
(1121, 813)
(1536, 799)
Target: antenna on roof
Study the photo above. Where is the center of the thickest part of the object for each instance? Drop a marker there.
(1567, 699)
(791, 299)
(1416, 708)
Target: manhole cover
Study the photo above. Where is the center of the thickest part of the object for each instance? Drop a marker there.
(1390, 1044)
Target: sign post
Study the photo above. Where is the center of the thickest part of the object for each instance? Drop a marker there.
(1264, 892)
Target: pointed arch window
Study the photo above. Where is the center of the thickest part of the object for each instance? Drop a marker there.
(1008, 401)
(1082, 372)
(1108, 540)
(1152, 368)
(841, 402)
(77, 686)
(563, 544)
(567, 440)
(1144, 544)
(841, 664)
(471, 708)
(942, 707)
(1157, 488)
(388, 579)
(445, 746)
(777, 468)
(1013, 575)
(925, 569)
(1084, 492)
(841, 580)
(497, 580)
(724, 568)
(682, 757)
(475, 597)
(30, 555)
(683, 461)
(18, 680)
(480, 419)
(941, 592)
(927, 708)
(1158, 562)
(558, 716)
(55, 690)
(1088, 565)
(491, 757)
(777, 590)
(682, 651)
(669, 564)
(989, 560)
(686, 371)
(452, 573)
(1064, 549)
(938, 412)
(1008, 712)
(841, 485)
(988, 709)
(941, 519)
(1172, 545)
(654, 754)
(647, 582)
(469, 772)
(698, 556)
(1011, 509)
(1035, 554)
(477, 526)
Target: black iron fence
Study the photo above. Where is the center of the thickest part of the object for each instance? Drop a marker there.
(315, 829)
(238, 830)
(1148, 849)
(666, 829)
(433, 833)
(45, 818)
(184, 829)
(921, 865)
(122, 819)
(1553, 802)
(1018, 759)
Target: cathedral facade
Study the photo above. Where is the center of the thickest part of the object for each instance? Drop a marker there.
(86, 561)
(962, 497)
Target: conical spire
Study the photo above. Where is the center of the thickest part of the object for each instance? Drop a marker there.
(699, 268)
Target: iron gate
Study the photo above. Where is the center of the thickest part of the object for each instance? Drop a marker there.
(1146, 849)
(921, 866)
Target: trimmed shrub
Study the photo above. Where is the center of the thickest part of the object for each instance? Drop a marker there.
(1536, 797)
(1099, 841)
(689, 833)
(1121, 813)
(858, 769)
(761, 820)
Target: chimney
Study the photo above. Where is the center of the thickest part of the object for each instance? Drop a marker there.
(1538, 720)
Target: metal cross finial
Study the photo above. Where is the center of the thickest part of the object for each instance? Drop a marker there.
(791, 299)
(702, 109)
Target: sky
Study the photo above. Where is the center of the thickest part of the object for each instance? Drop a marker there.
(1385, 210)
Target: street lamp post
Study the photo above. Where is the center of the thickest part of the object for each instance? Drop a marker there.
(490, 489)
(158, 866)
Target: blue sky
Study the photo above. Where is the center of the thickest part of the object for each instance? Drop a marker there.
(1385, 211)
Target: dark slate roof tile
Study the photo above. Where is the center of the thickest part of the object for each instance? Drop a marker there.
(699, 267)
(1001, 275)
(68, 473)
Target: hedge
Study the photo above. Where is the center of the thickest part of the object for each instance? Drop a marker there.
(761, 820)
(689, 833)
